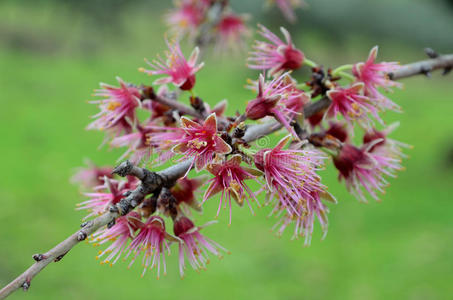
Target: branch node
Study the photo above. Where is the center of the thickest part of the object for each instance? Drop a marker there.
(425, 70)
(446, 71)
(84, 224)
(431, 53)
(111, 224)
(39, 257)
(59, 257)
(26, 284)
(81, 236)
(123, 168)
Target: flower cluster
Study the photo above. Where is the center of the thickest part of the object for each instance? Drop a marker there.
(208, 21)
(318, 117)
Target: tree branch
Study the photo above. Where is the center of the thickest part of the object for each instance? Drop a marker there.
(423, 67)
(152, 181)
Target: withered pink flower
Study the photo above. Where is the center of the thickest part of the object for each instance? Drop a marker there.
(229, 179)
(287, 8)
(201, 141)
(108, 194)
(271, 99)
(179, 71)
(186, 17)
(137, 142)
(92, 175)
(119, 234)
(275, 56)
(374, 75)
(290, 174)
(231, 31)
(308, 212)
(194, 245)
(351, 103)
(152, 241)
(118, 106)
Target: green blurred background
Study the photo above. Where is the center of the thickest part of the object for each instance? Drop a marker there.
(54, 53)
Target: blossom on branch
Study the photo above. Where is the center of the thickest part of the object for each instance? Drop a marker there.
(201, 141)
(271, 99)
(352, 105)
(117, 108)
(275, 56)
(287, 8)
(119, 234)
(186, 17)
(179, 71)
(194, 245)
(374, 75)
(290, 174)
(107, 194)
(229, 179)
(231, 30)
(152, 241)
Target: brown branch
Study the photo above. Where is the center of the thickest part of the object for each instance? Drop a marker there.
(151, 181)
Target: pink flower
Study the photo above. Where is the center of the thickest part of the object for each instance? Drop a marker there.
(304, 221)
(230, 180)
(187, 16)
(180, 71)
(363, 170)
(112, 194)
(231, 30)
(290, 174)
(119, 234)
(152, 241)
(201, 141)
(92, 175)
(194, 244)
(271, 99)
(275, 55)
(352, 105)
(138, 144)
(118, 106)
(385, 151)
(287, 8)
(374, 75)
